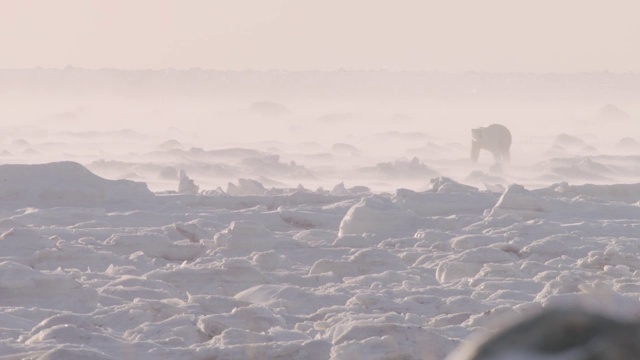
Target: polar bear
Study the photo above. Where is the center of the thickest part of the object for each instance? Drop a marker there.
(495, 138)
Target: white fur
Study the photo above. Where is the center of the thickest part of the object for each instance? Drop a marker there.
(495, 138)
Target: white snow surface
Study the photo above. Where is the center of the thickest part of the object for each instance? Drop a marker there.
(284, 251)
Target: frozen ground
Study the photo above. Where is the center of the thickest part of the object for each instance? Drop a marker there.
(107, 269)
(349, 235)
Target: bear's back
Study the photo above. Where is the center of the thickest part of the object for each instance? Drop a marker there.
(497, 134)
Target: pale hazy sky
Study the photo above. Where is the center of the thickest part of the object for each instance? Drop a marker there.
(445, 35)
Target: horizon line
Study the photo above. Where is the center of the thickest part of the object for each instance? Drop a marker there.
(338, 70)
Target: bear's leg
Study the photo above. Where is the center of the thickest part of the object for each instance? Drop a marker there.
(497, 156)
(506, 156)
(475, 152)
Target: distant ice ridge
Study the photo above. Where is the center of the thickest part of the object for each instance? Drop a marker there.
(408, 210)
(186, 184)
(67, 184)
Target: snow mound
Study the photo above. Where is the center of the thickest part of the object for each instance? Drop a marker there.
(611, 112)
(616, 192)
(469, 263)
(580, 168)
(628, 143)
(446, 197)
(67, 353)
(341, 190)
(294, 299)
(24, 245)
(490, 182)
(365, 340)
(255, 318)
(413, 169)
(21, 285)
(227, 278)
(519, 201)
(367, 261)
(249, 236)
(152, 245)
(67, 184)
(345, 149)
(446, 185)
(271, 166)
(170, 145)
(246, 187)
(377, 215)
(191, 231)
(569, 141)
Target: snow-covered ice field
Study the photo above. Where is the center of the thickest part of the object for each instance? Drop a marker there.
(305, 229)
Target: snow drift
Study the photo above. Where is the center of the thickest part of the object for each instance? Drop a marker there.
(67, 184)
